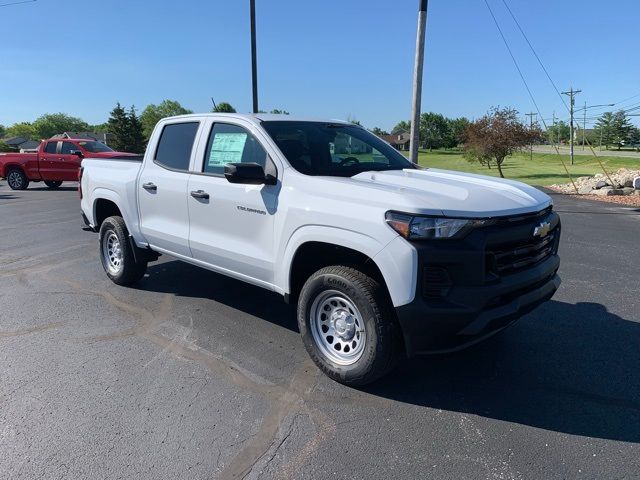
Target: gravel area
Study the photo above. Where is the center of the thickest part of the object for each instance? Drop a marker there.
(628, 200)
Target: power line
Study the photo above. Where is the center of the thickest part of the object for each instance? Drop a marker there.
(17, 3)
(506, 44)
(535, 54)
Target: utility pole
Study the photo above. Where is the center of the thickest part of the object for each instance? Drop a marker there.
(254, 62)
(571, 93)
(555, 128)
(584, 124)
(530, 115)
(417, 80)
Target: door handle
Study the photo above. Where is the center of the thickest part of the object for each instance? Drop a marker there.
(151, 187)
(200, 194)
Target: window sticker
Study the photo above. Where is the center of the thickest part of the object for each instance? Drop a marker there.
(227, 148)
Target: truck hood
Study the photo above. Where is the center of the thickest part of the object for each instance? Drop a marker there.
(454, 194)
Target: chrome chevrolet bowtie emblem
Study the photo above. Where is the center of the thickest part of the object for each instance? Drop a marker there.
(542, 230)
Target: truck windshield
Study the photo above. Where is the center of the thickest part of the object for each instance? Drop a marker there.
(94, 147)
(333, 149)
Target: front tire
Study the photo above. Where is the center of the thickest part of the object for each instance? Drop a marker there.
(53, 184)
(17, 180)
(116, 253)
(348, 326)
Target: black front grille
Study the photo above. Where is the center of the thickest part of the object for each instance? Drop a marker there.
(516, 256)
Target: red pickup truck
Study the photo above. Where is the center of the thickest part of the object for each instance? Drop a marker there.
(56, 161)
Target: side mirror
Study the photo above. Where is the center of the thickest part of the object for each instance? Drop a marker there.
(247, 173)
(77, 153)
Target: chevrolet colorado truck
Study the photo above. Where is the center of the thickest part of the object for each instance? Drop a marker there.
(383, 258)
(56, 161)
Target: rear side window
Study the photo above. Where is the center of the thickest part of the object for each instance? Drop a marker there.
(175, 145)
(67, 148)
(51, 147)
(231, 144)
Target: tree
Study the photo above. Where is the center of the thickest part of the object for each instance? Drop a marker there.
(154, 113)
(614, 128)
(401, 126)
(559, 132)
(119, 126)
(634, 138)
(378, 131)
(51, 124)
(3, 130)
(224, 107)
(126, 129)
(277, 111)
(457, 128)
(434, 130)
(497, 135)
(4, 147)
(22, 129)
(135, 137)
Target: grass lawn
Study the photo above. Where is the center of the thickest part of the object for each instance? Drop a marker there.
(545, 169)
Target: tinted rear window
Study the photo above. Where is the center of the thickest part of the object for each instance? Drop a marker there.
(51, 147)
(176, 142)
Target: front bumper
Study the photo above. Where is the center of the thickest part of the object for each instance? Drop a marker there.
(476, 301)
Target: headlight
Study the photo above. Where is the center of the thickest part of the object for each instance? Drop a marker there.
(414, 227)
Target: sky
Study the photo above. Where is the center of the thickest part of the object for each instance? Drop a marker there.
(331, 58)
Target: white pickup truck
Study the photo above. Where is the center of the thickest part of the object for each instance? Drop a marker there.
(383, 258)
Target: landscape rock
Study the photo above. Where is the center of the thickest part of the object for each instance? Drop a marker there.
(592, 185)
(628, 190)
(628, 183)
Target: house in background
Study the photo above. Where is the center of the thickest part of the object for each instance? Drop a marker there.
(103, 137)
(21, 144)
(399, 140)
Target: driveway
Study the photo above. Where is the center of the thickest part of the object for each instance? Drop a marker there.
(193, 375)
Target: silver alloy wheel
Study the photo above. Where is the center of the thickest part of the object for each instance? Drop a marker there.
(15, 180)
(112, 252)
(337, 327)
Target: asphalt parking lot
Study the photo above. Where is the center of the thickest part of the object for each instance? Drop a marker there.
(192, 375)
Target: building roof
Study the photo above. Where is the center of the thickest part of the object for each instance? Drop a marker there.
(396, 139)
(14, 141)
(29, 145)
(82, 135)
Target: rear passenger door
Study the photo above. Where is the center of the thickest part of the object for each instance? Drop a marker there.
(69, 164)
(162, 188)
(49, 164)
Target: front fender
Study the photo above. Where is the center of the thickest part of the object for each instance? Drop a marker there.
(398, 279)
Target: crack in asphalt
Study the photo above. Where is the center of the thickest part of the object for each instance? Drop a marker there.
(284, 400)
(28, 331)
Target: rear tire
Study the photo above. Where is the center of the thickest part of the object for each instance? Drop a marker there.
(348, 325)
(17, 180)
(53, 184)
(116, 253)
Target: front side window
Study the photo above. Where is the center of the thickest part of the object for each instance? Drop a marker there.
(231, 144)
(333, 149)
(67, 148)
(175, 145)
(51, 147)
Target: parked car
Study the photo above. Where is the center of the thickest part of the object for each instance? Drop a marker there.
(56, 161)
(383, 258)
